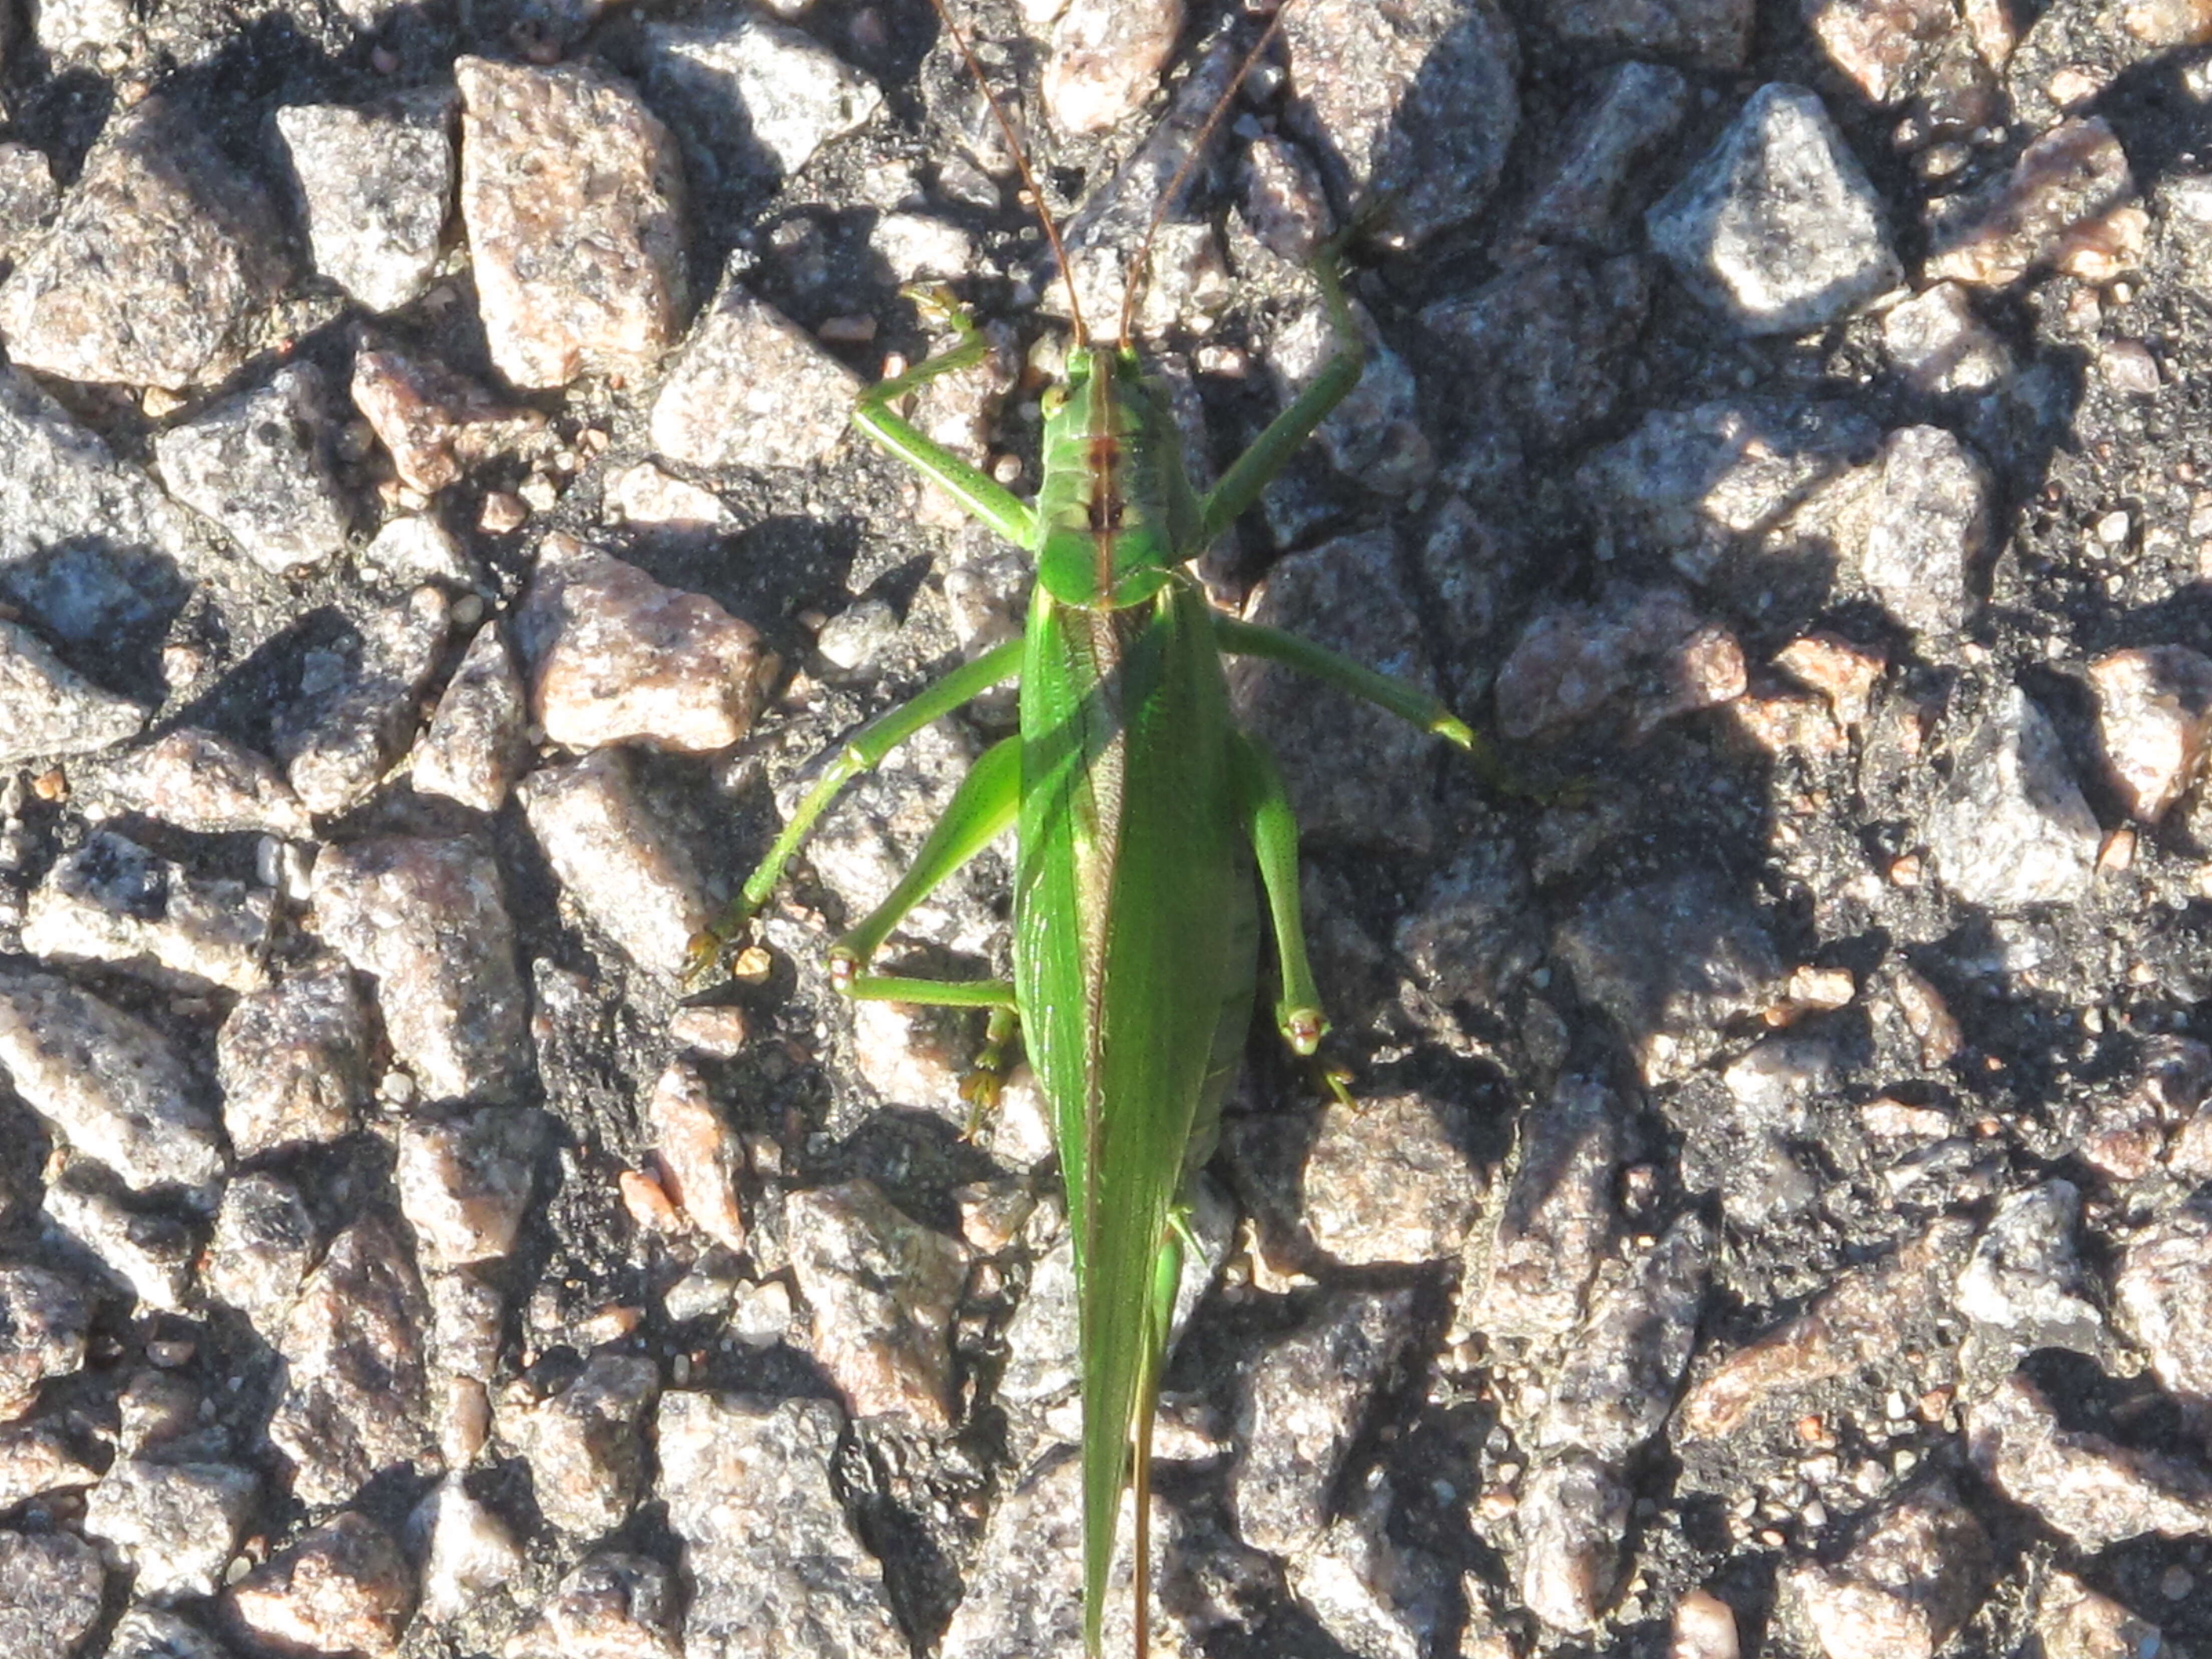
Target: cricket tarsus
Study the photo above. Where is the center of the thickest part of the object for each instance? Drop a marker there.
(1141, 816)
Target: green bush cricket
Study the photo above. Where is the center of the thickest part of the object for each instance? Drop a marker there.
(1140, 813)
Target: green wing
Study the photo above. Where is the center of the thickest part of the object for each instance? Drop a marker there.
(1133, 936)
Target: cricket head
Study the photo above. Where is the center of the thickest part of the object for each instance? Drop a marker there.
(1114, 504)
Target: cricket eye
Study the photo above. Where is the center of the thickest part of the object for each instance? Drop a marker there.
(1054, 400)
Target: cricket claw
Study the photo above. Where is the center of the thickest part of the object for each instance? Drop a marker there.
(981, 1089)
(710, 956)
(1337, 1081)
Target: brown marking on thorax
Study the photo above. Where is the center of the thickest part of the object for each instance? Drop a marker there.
(1102, 456)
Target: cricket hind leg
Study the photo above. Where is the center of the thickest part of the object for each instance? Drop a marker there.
(862, 752)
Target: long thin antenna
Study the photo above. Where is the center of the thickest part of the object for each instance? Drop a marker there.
(1021, 161)
(1134, 283)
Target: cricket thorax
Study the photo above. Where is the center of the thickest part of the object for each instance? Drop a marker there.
(1115, 513)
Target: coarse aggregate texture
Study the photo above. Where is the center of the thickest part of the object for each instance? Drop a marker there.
(433, 555)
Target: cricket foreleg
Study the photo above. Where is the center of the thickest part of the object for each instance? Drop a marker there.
(863, 752)
(971, 487)
(981, 809)
(1253, 471)
(985, 805)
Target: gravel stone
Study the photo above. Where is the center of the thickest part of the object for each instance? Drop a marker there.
(36, 1458)
(1308, 1393)
(111, 901)
(573, 196)
(466, 1313)
(1687, 484)
(1587, 186)
(637, 885)
(2073, 1621)
(1424, 121)
(1708, 33)
(1932, 518)
(754, 100)
(2012, 830)
(427, 918)
(438, 425)
(700, 1158)
(1645, 653)
(1942, 347)
(751, 390)
(294, 1062)
(615, 657)
(151, 1633)
(1386, 1180)
(1285, 203)
(1914, 1576)
(1704, 1627)
(475, 744)
(344, 1587)
(778, 1568)
(613, 1603)
(464, 1183)
(148, 1252)
(2154, 721)
(1888, 48)
(161, 256)
(920, 246)
(469, 1551)
(265, 1245)
(1106, 58)
(2163, 1297)
(376, 185)
(158, 1411)
(89, 543)
(28, 195)
(1377, 1598)
(1473, 940)
(176, 1525)
(585, 1445)
(1553, 1220)
(1548, 337)
(47, 708)
(1573, 1513)
(882, 1289)
(44, 1317)
(78, 28)
(51, 1586)
(2082, 1485)
(414, 548)
(354, 1401)
(254, 463)
(108, 1082)
(1671, 962)
(648, 495)
(198, 781)
(1862, 1318)
(2069, 202)
(2025, 1278)
(357, 709)
(1355, 774)
(1625, 1363)
(1777, 228)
